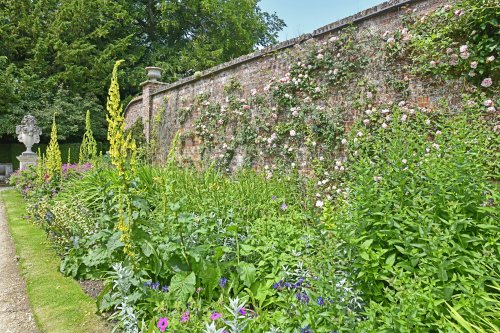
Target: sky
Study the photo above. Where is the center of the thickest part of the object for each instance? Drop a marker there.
(304, 16)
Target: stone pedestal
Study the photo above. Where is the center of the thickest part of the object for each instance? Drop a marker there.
(26, 160)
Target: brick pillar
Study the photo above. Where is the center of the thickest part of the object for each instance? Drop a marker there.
(148, 88)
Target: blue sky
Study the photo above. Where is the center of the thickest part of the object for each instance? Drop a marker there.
(304, 16)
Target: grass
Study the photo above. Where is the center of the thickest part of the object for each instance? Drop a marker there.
(58, 302)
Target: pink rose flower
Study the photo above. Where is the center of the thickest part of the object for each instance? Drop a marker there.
(487, 82)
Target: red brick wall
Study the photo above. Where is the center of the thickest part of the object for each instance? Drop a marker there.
(253, 71)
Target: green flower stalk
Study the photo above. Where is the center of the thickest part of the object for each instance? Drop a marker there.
(88, 149)
(53, 156)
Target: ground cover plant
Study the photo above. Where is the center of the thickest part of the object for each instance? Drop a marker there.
(394, 226)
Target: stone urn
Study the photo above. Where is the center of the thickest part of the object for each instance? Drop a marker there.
(154, 73)
(29, 134)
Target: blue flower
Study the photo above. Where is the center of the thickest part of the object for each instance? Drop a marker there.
(273, 197)
(320, 301)
(302, 297)
(165, 289)
(284, 207)
(278, 285)
(155, 285)
(222, 282)
(306, 330)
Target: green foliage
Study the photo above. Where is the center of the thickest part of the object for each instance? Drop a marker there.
(420, 225)
(455, 41)
(57, 55)
(88, 148)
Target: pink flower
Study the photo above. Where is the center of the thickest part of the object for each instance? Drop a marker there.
(463, 48)
(162, 324)
(487, 82)
(320, 56)
(185, 317)
(215, 315)
(488, 103)
(473, 65)
(391, 40)
(246, 107)
(491, 109)
(464, 55)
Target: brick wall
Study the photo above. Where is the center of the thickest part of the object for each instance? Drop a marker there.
(255, 70)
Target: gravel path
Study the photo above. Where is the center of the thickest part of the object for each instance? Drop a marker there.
(15, 312)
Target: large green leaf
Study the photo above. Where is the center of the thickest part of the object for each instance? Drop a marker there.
(247, 273)
(182, 285)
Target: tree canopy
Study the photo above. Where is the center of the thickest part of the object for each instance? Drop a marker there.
(58, 55)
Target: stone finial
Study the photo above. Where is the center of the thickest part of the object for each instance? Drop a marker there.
(28, 132)
(154, 73)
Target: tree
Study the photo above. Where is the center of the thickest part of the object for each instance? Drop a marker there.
(57, 55)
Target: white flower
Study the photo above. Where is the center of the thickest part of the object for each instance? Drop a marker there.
(319, 203)
(473, 65)
(487, 82)
(391, 40)
(344, 141)
(377, 178)
(318, 89)
(432, 63)
(428, 122)
(366, 122)
(360, 134)
(404, 160)
(401, 104)
(335, 71)
(292, 165)
(320, 56)
(384, 125)
(404, 31)
(488, 102)
(438, 132)
(463, 48)
(369, 95)
(491, 109)
(490, 59)
(403, 118)
(334, 39)
(292, 133)
(472, 74)
(385, 111)
(254, 92)
(368, 112)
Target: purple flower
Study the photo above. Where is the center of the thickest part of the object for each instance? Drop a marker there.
(215, 315)
(273, 197)
(165, 289)
(222, 282)
(302, 297)
(242, 311)
(320, 301)
(185, 317)
(284, 207)
(162, 324)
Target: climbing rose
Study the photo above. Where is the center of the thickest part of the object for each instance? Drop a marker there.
(487, 82)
